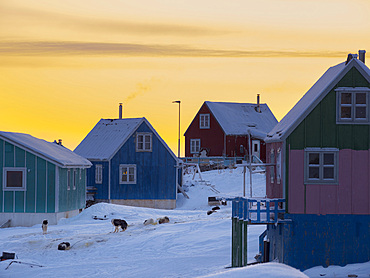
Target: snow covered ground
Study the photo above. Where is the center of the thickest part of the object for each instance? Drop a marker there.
(193, 244)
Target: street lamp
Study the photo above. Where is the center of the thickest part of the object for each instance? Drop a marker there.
(178, 147)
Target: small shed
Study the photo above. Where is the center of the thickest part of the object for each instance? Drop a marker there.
(40, 180)
(321, 152)
(228, 129)
(132, 165)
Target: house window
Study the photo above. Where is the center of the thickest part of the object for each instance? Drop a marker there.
(321, 166)
(194, 145)
(144, 142)
(98, 173)
(14, 178)
(352, 105)
(74, 179)
(203, 121)
(69, 180)
(278, 166)
(127, 174)
(272, 168)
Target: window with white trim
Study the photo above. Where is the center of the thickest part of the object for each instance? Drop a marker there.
(127, 174)
(204, 121)
(74, 179)
(321, 166)
(272, 168)
(194, 145)
(99, 173)
(68, 179)
(144, 142)
(14, 178)
(278, 166)
(353, 105)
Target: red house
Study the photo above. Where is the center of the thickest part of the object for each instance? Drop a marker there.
(224, 129)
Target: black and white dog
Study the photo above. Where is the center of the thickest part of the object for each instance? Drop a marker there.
(117, 223)
(64, 246)
(163, 220)
(44, 226)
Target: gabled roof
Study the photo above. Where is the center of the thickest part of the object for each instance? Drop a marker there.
(109, 135)
(50, 151)
(239, 118)
(313, 97)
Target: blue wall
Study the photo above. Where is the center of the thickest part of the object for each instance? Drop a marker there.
(156, 171)
(314, 240)
(102, 189)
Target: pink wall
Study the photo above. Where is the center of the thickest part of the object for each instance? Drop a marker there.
(350, 196)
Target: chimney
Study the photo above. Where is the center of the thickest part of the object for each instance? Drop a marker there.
(120, 111)
(258, 104)
(350, 57)
(60, 142)
(361, 55)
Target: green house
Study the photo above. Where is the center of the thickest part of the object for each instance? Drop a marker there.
(40, 180)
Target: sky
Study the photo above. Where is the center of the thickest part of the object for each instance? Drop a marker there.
(66, 64)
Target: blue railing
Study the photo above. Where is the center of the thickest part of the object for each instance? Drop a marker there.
(259, 210)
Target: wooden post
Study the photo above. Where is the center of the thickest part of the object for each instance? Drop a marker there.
(245, 249)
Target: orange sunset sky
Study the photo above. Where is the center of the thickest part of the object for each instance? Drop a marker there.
(66, 64)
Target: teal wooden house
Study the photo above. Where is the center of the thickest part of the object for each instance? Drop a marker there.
(40, 180)
(132, 164)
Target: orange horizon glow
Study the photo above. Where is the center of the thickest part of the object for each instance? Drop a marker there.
(67, 64)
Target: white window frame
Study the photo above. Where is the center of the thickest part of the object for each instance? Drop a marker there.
(146, 139)
(194, 146)
(321, 166)
(98, 173)
(14, 169)
(74, 181)
(278, 166)
(68, 179)
(204, 121)
(353, 105)
(272, 168)
(128, 166)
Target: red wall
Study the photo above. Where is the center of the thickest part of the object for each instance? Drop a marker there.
(274, 189)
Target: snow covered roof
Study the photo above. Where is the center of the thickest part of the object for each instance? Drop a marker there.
(238, 118)
(107, 137)
(50, 151)
(313, 96)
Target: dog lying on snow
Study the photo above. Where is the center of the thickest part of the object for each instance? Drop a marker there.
(44, 227)
(117, 223)
(64, 246)
(160, 220)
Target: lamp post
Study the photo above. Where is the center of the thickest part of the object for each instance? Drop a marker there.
(178, 146)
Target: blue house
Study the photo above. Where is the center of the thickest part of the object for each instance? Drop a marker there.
(40, 180)
(132, 165)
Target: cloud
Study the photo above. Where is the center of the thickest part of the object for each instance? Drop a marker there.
(60, 48)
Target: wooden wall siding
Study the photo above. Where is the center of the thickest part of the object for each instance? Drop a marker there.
(71, 199)
(40, 182)
(274, 190)
(212, 138)
(102, 189)
(296, 181)
(350, 196)
(156, 171)
(319, 128)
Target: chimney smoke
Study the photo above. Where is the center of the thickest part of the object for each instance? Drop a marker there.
(361, 55)
(120, 111)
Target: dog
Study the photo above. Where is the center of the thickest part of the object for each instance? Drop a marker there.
(163, 220)
(64, 246)
(149, 221)
(117, 223)
(44, 226)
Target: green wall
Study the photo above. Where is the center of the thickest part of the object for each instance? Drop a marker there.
(73, 198)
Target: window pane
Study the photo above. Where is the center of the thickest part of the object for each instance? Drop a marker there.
(345, 112)
(314, 158)
(313, 172)
(140, 146)
(328, 173)
(14, 178)
(328, 159)
(140, 138)
(147, 145)
(131, 177)
(361, 98)
(361, 112)
(346, 98)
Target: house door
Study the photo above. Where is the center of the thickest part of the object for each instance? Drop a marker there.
(256, 148)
